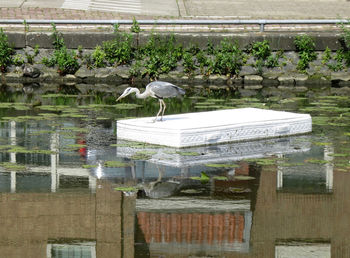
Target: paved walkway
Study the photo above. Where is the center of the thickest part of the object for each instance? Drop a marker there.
(176, 9)
(152, 9)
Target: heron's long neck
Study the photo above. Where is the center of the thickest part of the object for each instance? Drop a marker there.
(142, 95)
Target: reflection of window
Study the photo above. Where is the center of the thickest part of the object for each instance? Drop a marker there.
(69, 182)
(312, 177)
(303, 249)
(76, 250)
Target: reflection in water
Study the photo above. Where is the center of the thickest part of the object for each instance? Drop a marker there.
(285, 197)
(67, 224)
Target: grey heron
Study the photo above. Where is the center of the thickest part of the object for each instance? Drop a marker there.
(158, 90)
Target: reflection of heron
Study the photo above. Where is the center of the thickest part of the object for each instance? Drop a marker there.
(158, 90)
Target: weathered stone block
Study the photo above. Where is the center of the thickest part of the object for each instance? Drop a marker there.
(300, 79)
(252, 79)
(286, 80)
(17, 39)
(247, 70)
(340, 76)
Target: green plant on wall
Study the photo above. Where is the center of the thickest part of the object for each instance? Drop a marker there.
(345, 37)
(188, 63)
(227, 58)
(161, 55)
(305, 46)
(120, 50)
(135, 27)
(65, 60)
(6, 52)
(98, 57)
(261, 51)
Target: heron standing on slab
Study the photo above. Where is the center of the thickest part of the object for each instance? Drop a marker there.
(159, 90)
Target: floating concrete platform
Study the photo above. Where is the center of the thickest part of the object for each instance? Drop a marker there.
(213, 127)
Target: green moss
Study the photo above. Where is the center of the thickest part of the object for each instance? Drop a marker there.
(56, 95)
(127, 106)
(89, 166)
(262, 162)
(290, 164)
(204, 178)
(41, 132)
(141, 156)
(52, 107)
(322, 143)
(133, 144)
(244, 177)
(316, 161)
(76, 146)
(184, 153)
(74, 115)
(76, 129)
(339, 154)
(116, 164)
(217, 165)
(220, 178)
(13, 166)
(126, 189)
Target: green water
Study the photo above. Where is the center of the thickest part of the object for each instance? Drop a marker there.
(60, 160)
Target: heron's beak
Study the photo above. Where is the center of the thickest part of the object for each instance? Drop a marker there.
(119, 98)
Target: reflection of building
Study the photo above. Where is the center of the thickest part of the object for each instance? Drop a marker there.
(184, 232)
(35, 224)
(298, 220)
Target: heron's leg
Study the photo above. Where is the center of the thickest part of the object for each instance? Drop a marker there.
(164, 107)
(160, 110)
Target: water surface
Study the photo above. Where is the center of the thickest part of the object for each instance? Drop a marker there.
(69, 188)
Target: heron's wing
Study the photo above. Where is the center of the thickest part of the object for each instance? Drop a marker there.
(165, 89)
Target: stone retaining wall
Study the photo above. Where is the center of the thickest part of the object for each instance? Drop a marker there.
(285, 75)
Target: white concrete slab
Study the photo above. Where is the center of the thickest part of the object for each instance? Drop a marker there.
(204, 128)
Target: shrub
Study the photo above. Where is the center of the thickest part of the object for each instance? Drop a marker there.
(346, 42)
(305, 47)
(188, 63)
(261, 49)
(160, 55)
(135, 69)
(135, 28)
(6, 51)
(326, 56)
(65, 60)
(227, 59)
(120, 50)
(98, 57)
(346, 35)
(18, 60)
(262, 53)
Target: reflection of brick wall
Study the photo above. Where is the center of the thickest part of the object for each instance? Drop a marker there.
(283, 216)
(195, 228)
(29, 220)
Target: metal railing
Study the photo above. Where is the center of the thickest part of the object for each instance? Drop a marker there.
(260, 22)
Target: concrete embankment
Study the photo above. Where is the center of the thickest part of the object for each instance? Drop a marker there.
(89, 40)
(285, 74)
